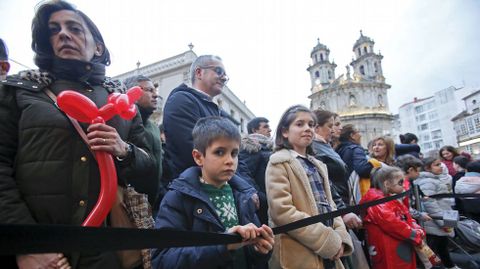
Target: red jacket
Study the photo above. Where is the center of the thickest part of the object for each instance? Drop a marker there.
(391, 233)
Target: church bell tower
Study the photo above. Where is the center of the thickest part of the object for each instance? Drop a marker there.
(322, 71)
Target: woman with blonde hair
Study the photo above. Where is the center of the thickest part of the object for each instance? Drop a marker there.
(383, 150)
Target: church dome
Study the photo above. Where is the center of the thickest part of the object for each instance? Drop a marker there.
(362, 39)
(319, 46)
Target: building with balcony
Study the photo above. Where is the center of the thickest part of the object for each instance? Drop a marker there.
(467, 125)
(430, 119)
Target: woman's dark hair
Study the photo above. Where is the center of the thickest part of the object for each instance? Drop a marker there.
(450, 149)
(285, 121)
(323, 116)
(41, 45)
(346, 133)
(407, 138)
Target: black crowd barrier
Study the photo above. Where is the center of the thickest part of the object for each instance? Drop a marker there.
(40, 238)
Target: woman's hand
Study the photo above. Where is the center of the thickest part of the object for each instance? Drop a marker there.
(339, 253)
(43, 261)
(265, 240)
(106, 138)
(352, 221)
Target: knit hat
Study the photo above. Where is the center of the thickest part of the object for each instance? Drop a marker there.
(3, 51)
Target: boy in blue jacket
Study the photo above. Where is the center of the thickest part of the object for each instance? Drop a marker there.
(211, 198)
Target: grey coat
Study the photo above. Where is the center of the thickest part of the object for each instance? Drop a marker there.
(431, 184)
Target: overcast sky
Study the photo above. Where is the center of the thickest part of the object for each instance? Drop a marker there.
(427, 45)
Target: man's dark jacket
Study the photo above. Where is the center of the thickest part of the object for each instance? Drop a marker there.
(187, 207)
(183, 108)
(252, 162)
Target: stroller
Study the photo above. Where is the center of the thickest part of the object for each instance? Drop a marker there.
(465, 246)
(467, 235)
(466, 243)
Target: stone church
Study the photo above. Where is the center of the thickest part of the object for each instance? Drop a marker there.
(359, 98)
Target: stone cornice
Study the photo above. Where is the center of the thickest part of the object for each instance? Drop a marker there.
(174, 62)
(370, 54)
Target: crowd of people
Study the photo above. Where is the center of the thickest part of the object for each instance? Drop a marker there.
(201, 175)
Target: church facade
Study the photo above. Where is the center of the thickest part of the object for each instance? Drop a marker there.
(359, 98)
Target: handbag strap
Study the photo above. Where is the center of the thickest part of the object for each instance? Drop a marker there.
(74, 122)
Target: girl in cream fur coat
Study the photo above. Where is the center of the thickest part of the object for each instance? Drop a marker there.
(297, 188)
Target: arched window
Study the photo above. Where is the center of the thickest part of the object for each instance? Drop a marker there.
(362, 70)
(375, 67)
(359, 52)
(380, 100)
(352, 101)
(317, 74)
(321, 57)
(365, 49)
(329, 74)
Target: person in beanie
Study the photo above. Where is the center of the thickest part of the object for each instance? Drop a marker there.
(4, 64)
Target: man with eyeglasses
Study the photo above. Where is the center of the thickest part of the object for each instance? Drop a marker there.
(186, 104)
(147, 104)
(4, 64)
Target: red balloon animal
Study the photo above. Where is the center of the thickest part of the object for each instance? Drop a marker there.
(81, 108)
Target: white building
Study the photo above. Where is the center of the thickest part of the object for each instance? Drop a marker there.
(171, 72)
(467, 125)
(430, 119)
(360, 100)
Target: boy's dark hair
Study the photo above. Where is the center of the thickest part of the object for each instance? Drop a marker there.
(382, 174)
(209, 129)
(473, 166)
(254, 124)
(287, 118)
(461, 161)
(407, 138)
(44, 54)
(427, 163)
(407, 161)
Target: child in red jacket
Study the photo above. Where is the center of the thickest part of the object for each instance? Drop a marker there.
(392, 234)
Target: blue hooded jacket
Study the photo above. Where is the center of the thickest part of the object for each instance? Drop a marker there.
(187, 207)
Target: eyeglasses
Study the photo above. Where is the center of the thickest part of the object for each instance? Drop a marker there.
(218, 70)
(400, 182)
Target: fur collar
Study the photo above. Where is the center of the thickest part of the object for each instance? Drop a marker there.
(45, 79)
(253, 143)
